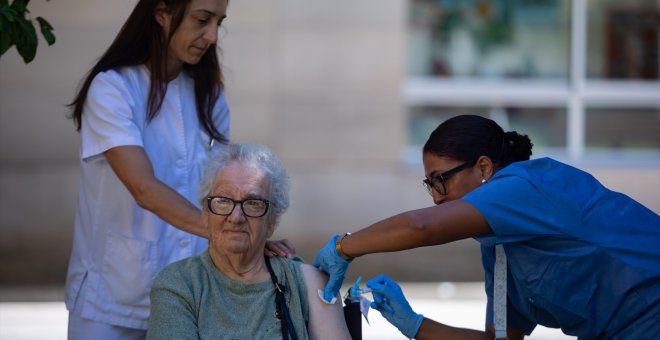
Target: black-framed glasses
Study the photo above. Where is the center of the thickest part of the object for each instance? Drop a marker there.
(437, 182)
(224, 206)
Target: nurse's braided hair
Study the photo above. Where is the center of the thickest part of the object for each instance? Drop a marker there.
(467, 137)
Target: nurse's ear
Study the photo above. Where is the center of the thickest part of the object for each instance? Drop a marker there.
(487, 167)
(163, 16)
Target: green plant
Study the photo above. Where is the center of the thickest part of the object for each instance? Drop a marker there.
(17, 28)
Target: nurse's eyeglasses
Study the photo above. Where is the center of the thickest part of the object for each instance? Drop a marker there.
(437, 182)
(224, 206)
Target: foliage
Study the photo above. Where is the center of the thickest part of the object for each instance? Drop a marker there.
(18, 29)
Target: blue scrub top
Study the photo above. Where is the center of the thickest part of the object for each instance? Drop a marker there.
(580, 257)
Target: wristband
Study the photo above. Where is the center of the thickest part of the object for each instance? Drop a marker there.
(341, 251)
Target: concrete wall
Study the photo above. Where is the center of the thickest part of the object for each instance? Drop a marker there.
(318, 81)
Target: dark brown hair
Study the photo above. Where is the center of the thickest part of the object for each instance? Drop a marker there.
(467, 137)
(142, 39)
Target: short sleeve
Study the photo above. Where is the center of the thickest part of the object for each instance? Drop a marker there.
(109, 117)
(517, 209)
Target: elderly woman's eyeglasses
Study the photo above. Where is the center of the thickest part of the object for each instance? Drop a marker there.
(438, 182)
(224, 206)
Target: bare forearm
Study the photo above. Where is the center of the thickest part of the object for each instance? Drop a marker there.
(172, 208)
(418, 228)
(132, 166)
(396, 233)
(435, 330)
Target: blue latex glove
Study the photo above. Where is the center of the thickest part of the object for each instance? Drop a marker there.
(334, 265)
(390, 302)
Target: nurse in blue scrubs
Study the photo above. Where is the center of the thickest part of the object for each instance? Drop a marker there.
(580, 257)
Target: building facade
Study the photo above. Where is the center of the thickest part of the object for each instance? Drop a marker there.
(346, 92)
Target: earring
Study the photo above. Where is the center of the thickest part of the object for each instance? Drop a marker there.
(483, 180)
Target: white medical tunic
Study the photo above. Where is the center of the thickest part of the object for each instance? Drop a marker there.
(118, 247)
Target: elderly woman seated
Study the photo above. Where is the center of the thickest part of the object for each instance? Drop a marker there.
(232, 291)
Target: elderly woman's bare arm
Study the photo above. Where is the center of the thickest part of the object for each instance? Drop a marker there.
(325, 321)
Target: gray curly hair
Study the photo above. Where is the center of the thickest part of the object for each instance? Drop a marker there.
(258, 156)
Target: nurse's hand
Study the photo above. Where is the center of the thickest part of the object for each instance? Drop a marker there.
(328, 261)
(283, 248)
(390, 302)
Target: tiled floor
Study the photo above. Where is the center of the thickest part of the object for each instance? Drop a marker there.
(459, 305)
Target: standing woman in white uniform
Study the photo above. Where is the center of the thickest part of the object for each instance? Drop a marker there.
(150, 113)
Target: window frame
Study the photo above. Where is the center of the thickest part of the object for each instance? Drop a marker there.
(576, 94)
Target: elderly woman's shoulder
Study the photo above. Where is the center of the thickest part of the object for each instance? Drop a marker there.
(183, 271)
(308, 272)
(312, 276)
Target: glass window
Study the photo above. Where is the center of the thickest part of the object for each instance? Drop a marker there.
(546, 127)
(489, 39)
(623, 129)
(623, 39)
(569, 101)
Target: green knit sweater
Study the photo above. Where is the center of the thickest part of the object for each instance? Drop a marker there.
(191, 299)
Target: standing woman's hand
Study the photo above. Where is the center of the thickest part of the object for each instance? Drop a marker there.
(283, 248)
(330, 262)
